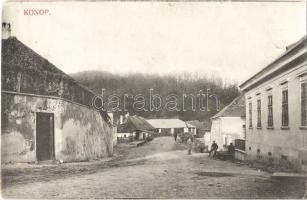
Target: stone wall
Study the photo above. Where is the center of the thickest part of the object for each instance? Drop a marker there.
(80, 133)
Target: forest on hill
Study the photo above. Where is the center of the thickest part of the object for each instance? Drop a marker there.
(189, 96)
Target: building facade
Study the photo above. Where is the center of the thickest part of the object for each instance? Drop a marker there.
(276, 129)
(46, 115)
(228, 124)
(171, 126)
(134, 128)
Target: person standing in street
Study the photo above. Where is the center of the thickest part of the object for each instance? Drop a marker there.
(175, 136)
(189, 143)
(214, 148)
(231, 150)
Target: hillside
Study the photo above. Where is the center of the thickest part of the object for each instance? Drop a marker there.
(133, 92)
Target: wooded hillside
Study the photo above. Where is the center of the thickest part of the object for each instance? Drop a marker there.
(163, 85)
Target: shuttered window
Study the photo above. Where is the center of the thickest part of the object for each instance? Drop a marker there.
(285, 108)
(303, 104)
(250, 115)
(270, 111)
(258, 113)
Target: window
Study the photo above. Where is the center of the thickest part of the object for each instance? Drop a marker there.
(258, 113)
(303, 104)
(285, 109)
(250, 115)
(283, 157)
(270, 111)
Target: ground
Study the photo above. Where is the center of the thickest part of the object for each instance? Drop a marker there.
(158, 169)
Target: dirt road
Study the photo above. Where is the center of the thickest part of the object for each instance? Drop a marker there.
(159, 169)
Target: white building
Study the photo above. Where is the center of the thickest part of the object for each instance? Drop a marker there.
(276, 110)
(228, 124)
(171, 126)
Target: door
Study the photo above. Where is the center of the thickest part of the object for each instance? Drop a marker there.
(44, 136)
(137, 135)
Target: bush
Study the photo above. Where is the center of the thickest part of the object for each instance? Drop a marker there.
(185, 136)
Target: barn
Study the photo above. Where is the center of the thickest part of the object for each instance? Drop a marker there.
(47, 115)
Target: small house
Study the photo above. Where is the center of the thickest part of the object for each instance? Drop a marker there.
(229, 124)
(171, 126)
(134, 128)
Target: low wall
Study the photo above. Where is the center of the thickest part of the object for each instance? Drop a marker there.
(80, 133)
(240, 154)
(279, 148)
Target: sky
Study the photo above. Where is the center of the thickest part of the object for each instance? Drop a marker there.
(233, 40)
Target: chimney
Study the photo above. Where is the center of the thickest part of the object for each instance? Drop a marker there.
(127, 115)
(121, 119)
(111, 116)
(6, 30)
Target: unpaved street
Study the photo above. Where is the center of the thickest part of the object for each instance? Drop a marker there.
(159, 169)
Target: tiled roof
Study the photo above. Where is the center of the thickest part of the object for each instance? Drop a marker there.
(169, 123)
(235, 109)
(201, 125)
(134, 123)
(38, 75)
(15, 53)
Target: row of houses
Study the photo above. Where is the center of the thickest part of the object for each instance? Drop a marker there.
(138, 128)
(270, 115)
(47, 115)
(267, 122)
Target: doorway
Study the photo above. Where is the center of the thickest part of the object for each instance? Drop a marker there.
(44, 136)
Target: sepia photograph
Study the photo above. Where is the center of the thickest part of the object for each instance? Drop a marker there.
(162, 99)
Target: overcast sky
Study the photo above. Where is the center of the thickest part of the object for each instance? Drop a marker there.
(233, 40)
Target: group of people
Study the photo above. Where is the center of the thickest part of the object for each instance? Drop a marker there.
(214, 148)
(188, 139)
